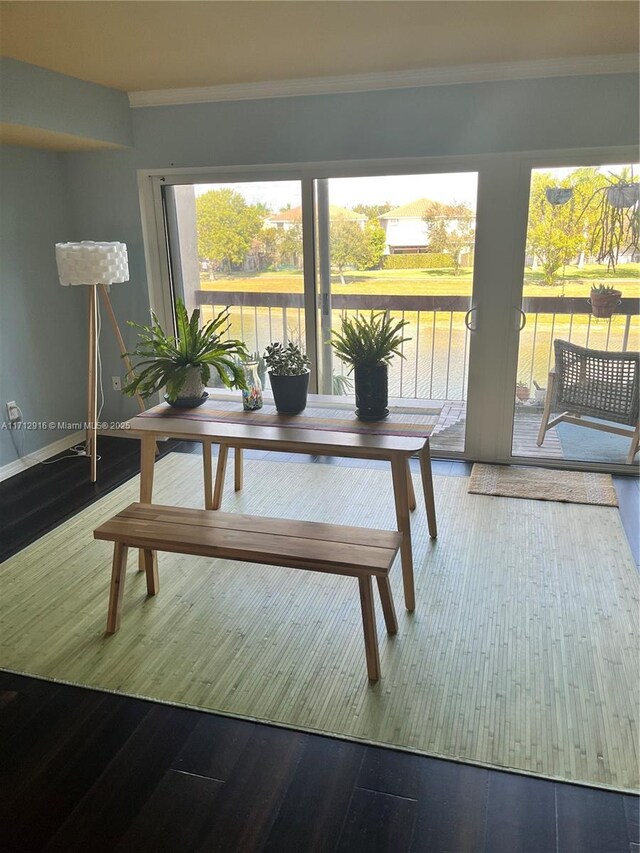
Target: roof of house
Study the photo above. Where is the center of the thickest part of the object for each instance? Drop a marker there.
(294, 214)
(414, 210)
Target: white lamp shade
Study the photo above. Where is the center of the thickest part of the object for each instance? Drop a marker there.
(92, 263)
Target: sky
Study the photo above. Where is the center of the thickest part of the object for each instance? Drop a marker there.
(347, 192)
(397, 190)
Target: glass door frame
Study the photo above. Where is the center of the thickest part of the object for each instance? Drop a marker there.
(526, 165)
(501, 224)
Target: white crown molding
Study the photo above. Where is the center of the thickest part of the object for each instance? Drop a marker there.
(487, 72)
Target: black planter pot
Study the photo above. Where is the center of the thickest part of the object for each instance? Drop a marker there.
(372, 391)
(290, 392)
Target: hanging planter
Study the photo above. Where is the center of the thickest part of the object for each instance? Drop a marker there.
(616, 230)
(623, 195)
(558, 195)
(604, 300)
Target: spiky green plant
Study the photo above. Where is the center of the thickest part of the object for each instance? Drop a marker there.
(368, 340)
(164, 360)
(604, 289)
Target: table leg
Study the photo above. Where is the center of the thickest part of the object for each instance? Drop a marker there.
(401, 497)
(238, 471)
(208, 476)
(412, 494)
(220, 472)
(147, 463)
(427, 486)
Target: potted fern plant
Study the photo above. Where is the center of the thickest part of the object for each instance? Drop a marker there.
(289, 376)
(183, 363)
(367, 345)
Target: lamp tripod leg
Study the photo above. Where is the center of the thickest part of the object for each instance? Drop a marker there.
(92, 371)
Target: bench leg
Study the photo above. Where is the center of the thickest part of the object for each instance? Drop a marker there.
(118, 573)
(208, 477)
(412, 494)
(369, 625)
(400, 492)
(390, 620)
(151, 571)
(237, 467)
(220, 472)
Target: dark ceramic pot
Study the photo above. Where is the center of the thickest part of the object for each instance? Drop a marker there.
(372, 391)
(290, 392)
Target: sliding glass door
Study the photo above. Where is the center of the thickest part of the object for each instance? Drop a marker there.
(402, 244)
(240, 246)
(580, 309)
(293, 251)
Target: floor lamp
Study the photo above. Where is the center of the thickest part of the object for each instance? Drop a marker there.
(96, 265)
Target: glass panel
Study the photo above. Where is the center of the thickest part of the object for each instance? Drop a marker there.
(582, 234)
(240, 245)
(404, 244)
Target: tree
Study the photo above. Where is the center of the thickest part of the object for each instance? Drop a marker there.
(290, 244)
(372, 211)
(226, 226)
(558, 234)
(348, 246)
(376, 240)
(451, 230)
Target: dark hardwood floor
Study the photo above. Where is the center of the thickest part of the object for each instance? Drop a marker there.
(84, 770)
(88, 771)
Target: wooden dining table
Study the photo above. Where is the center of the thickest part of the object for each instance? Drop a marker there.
(326, 428)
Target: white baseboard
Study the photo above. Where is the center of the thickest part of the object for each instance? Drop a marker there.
(13, 468)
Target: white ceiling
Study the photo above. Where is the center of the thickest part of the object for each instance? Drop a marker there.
(137, 46)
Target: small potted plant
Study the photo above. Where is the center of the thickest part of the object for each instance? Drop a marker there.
(367, 345)
(183, 363)
(523, 392)
(604, 300)
(288, 369)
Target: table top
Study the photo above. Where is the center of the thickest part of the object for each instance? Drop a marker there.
(328, 426)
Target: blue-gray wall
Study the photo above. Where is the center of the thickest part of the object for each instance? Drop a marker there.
(42, 325)
(39, 98)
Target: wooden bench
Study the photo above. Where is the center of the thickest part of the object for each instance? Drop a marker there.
(357, 552)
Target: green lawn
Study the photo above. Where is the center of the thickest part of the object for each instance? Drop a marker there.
(576, 282)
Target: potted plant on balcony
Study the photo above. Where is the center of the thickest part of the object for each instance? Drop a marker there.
(523, 392)
(367, 345)
(183, 363)
(288, 369)
(604, 300)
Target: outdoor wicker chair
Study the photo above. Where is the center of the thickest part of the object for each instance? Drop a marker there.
(596, 384)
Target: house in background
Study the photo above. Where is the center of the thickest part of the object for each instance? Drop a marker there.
(405, 230)
(286, 219)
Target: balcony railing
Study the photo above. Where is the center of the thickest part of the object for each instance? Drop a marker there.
(436, 357)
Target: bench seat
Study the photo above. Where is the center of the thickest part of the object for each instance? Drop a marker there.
(357, 552)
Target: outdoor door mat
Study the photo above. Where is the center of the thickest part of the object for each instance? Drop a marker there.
(543, 484)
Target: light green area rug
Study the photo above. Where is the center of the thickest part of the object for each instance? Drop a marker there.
(522, 653)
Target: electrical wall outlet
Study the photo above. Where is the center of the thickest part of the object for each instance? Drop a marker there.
(13, 412)
(116, 382)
